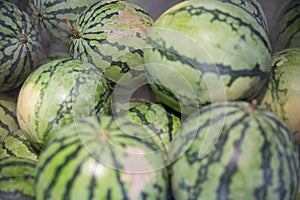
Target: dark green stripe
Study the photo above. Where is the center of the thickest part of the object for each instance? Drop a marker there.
(198, 11)
(266, 155)
(67, 142)
(16, 195)
(76, 174)
(7, 162)
(94, 11)
(290, 8)
(57, 172)
(121, 184)
(223, 190)
(291, 21)
(173, 55)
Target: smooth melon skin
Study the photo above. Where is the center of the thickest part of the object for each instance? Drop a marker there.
(206, 51)
(234, 150)
(99, 158)
(57, 93)
(282, 93)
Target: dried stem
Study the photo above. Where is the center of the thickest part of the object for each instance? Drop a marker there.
(253, 105)
(23, 38)
(75, 32)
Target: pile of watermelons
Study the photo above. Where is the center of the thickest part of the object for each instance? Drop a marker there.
(101, 100)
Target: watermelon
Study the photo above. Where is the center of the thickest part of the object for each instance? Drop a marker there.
(254, 8)
(282, 93)
(17, 145)
(234, 150)
(8, 118)
(287, 27)
(111, 35)
(200, 52)
(20, 45)
(98, 158)
(17, 178)
(157, 119)
(47, 16)
(57, 93)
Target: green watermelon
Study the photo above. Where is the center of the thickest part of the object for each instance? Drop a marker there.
(234, 150)
(17, 178)
(20, 46)
(111, 35)
(8, 118)
(17, 145)
(157, 119)
(57, 93)
(206, 51)
(48, 16)
(254, 8)
(98, 158)
(287, 27)
(282, 92)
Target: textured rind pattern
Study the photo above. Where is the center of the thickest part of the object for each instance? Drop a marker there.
(112, 35)
(17, 178)
(233, 150)
(57, 93)
(19, 48)
(217, 64)
(93, 159)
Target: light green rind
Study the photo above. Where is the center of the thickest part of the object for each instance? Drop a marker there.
(161, 122)
(17, 145)
(282, 92)
(234, 150)
(57, 93)
(8, 118)
(206, 51)
(95, 159)
(17, 178)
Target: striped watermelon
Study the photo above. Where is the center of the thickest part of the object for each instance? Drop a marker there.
(111, 35)
(57, 93)
(254, 8)
(8, 119)
(287, 27)
(154, 117)
(17, 145)
(47, 16)
(234, 150)
(206, 51)
(98, 159)
(282, 93)
(20, 45)
(17, 178)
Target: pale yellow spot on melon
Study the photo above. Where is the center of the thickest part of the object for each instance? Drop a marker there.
(292, 108)
(130, 22)
(25, 107)
(134, 164)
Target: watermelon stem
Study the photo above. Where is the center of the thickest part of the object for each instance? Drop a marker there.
(75, 32)
(253, 105)
(23, 38)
